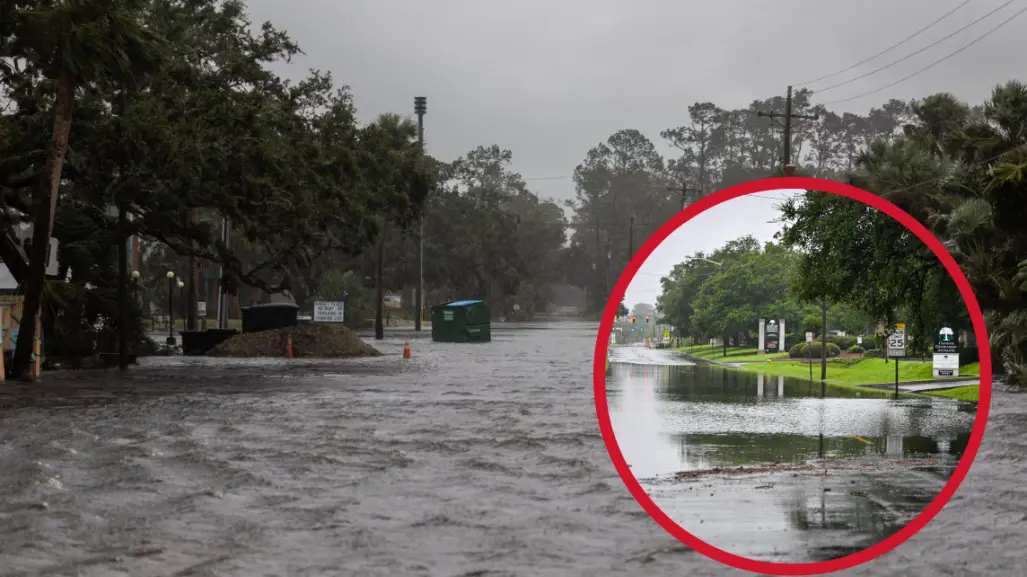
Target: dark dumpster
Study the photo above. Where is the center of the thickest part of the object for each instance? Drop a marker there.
(461, 322)
(202, 342)
(269, 317)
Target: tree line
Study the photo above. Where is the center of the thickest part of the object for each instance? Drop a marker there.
(157, 119)
(723, 294)
(958, 169)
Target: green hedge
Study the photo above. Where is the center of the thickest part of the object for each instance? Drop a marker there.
(856, 349)
(801, 350)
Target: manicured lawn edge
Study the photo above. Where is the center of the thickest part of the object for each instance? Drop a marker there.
(971, 394)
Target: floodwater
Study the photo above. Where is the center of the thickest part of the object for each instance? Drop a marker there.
(827, 476)
(466, 460)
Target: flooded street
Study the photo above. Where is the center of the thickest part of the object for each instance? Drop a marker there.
(467, 460)
(825, 477)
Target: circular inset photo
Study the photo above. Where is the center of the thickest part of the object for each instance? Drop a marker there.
(790, 376)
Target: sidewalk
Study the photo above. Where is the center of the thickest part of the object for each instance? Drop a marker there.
(922, 386)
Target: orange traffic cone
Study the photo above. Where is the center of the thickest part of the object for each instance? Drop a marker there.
(406, 348)
(288, 346)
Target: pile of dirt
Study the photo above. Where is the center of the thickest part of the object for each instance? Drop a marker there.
(309, 340)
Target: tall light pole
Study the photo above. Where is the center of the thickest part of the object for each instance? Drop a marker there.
(420, 108)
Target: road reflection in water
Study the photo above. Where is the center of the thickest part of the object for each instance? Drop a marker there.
(824, 477)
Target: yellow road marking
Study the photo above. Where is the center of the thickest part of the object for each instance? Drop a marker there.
(862, 439)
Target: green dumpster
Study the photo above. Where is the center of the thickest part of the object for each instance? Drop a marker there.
(461, 322)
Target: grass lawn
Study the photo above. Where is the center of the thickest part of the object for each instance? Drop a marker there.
(960, 393)
(734, 354)
(856, 372)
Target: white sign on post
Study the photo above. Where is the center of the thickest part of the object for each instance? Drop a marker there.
(329, 311)
(897, 342)
(946, 365)
(859, 340)
(201, 308)
(809, 337)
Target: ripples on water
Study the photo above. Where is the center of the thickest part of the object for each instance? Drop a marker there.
(466, 460)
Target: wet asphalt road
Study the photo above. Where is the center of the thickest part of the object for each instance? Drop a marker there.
(480, 460)
(853, 470)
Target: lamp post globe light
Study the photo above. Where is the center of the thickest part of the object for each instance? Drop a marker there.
(135, 287)
(171, 311)
(185, 313)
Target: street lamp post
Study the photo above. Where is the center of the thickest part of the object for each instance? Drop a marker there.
(420, 108)
(135, 289)
(170, 342)
(181, 299)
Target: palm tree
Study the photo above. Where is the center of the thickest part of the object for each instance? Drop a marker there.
(973, 198)
(73, 43)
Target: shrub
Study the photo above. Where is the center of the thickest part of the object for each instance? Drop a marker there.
(796, 350)
(801, 350)
(874, 353)
(856, 349)
(843, 343)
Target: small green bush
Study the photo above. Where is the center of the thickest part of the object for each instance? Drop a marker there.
(801, 350)
(796, 350)
(856, 349)
(843, 343)
(874, 353)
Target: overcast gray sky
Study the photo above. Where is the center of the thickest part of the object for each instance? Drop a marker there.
(550, 79)
(706, 232)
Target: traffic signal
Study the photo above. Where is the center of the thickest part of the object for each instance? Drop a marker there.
(646, 318)
(632, 319)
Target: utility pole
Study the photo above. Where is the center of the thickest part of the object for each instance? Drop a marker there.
(379, 329)
(684, 190)
(823, 345)
(786, 157)
(420, 108)
(122, 254)
(631, 238)
(606, 269)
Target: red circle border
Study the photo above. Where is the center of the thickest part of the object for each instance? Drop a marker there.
(603, 412)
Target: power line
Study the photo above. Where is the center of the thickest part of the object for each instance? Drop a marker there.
(893, 191)
(908, 56)
(888, 49)
(931, 65)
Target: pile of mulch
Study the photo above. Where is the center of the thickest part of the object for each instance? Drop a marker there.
(309, 340)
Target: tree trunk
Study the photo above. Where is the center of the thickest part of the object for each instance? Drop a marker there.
(823, 340)
(123, 313)
(379, 329)
(45, 201)
(193, 278)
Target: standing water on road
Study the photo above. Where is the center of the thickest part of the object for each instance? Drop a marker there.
(822, 477)
(464, 460)
(479, 459)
